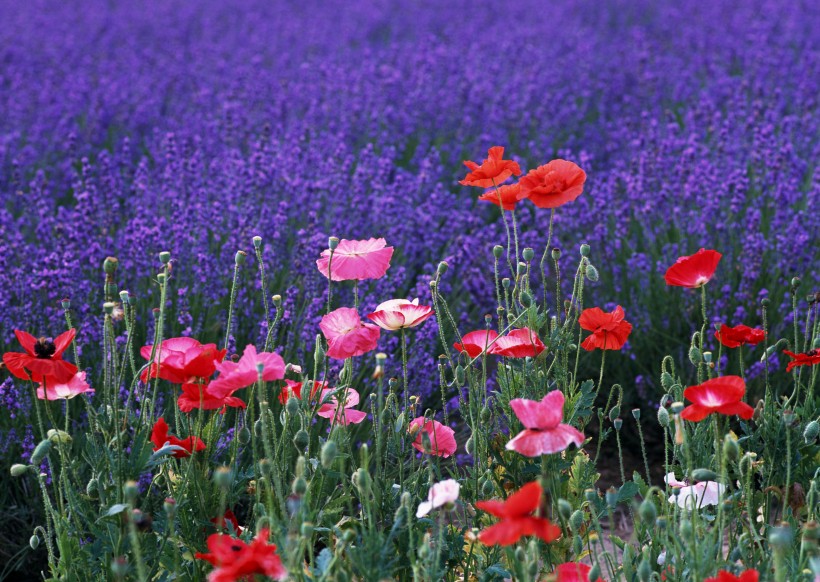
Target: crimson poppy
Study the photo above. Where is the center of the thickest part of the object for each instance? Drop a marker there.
(750, 575)
(694, 270)
(475, 343)
(509, 196)
(734, 337)
(517, 519)
(553, 184)
(519, 343)
(181, 359)
(42, 360)
(160, 436)
(609, 330)
(236, 560)
(810, 358)
(573, 572)
(722, 395)
(492, 172)
(200, 396)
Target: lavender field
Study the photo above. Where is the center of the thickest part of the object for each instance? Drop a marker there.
(133, 129)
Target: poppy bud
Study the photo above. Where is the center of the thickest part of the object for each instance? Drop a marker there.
(361, 480)
(648, 511)
(170, 506)
(731, 450)
(525, 298)
(788, 417)
(257, 242)
(223, 477)
(591, 496)
(17, 470)
(686, 529)
(591, 273)
(666, 380)
(332, 243)
(40, 452)
(498, 250)
(319, 352)
(644, 571)
(328, 454)
(66, 303)
(442, 267)
(432, 284)
(584, 250)
(611, 497)
(130, 490)
(565, 509)
(34, 542)
(594, 573)
(614, 413)
(796, 282)
(811, 431)
(699, 475)
(110, 265)
(239, 258)
(58, 436)
(520, 555)
(469, 446)
(556, 254)
(666, 399)
(765, 302)
(488, 488)
(244, 435)
(299, 486)
(576, 520)
(521, 268)
(695, 356)
(257, 427)
(663, 417)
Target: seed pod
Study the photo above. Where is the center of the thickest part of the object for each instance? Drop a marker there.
(528, 254)
(333, 242)
(40, 452)
(257, 242)
(556, 254)
(617, 423)
(584, 250)
(442, 267)
(164, 257)
(498, 250)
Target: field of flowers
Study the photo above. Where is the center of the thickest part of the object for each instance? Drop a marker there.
(257, 317)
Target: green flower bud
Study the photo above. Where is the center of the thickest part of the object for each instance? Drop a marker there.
(699, 475)
(781, 537)
(442, 267)
(811, 431)
(564, 509)
(18, 470)
(488, 488)
(585, 250)
(592, 497)
(731, 450)
(244, 435)
(292, 406)
(577, 545)
(110, 265)
(319, 352)
(685, 529)
(611, 497)
(223, 477)
(576, 520)
(40, 452)
(594, 573)
(796, 282)
(647, 511)
(521, 268)
(485, 414)
(520, 555)
(170, 506)
(663, 417)
(361, 479)
(498, 250)
(525, 298)
(765, 302)
(165, 257)
(257, 242)
(301, 439)
(469, 446)
(528, 254)
(130, 490)
(460, 375)
(58, 436)
(644, 571)
(661, 523)
(591, 273)
(695, 356)
(328, 455)
(34, 542)
(614, 413)
(666, 380)
(299, 486)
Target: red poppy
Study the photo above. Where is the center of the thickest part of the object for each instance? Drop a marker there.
(723, 395)
(553, 184)
(750, 575)
(509, 196)
(609, 330)
(519, 343)
(294, 389)
(356, 260)
(810, 358)
(442, 438)
(573, 572)
(229, 522)
(181, 359)
(199, 396)
(236, 560)
(474, 343)
(492, 172)
(694, 270)
(517, 519)
(160, 436)
(734, 337)
(42, 360)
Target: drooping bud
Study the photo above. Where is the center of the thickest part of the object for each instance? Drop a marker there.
(700, 475)
(40, 452)
(525, 298)
(695, 356)
(18, 470)
(565, 509)
(811, 431)
(731, 450)
(34, 542)
(576, 520)
(591, 272)
(663, 417)
(648, 511)
(667, 381)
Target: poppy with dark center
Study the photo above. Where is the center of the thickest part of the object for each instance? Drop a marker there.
(810, 358)
(734, 337)
(517, 519)
(43, 359)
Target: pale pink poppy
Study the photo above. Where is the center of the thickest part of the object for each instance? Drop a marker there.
(64, 390)
(694, 496)
(543, 432)
(346, 335)
(519, 343)
(241, 374)
(440, 494)
(400, 313)
(343, 415)
(356, 260)
(442, 438)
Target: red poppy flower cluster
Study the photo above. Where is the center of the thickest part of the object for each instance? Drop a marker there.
(722, 395)
(236, 560)
(517, 519)
(181, 360)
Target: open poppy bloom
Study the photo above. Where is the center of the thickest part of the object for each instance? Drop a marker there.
(810, 358)
(160, 437)
(492, 172)
(356, 260)
(694, 270)
(573, 572)
(345, 414)
(400, 313)
(475, 343)
(200, 396)
(519, 343)
(181, 359)
(517, 519)
(509, 196)
(294, 389)
(241, 374)
(609, 330)
(722, 395)
(553, 184)
(442, 438)
(64, 390)
(346, 335)
(42, 360)
(442, 493)
(734, 337)
(229, 522)
(236, 560)
(750, 575)
(543, 432)
(694, 496)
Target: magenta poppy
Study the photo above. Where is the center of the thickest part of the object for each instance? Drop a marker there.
(356, 260)
(346, 335)
(543, 432)
(64, 390)
(442, 438)
(233, 376)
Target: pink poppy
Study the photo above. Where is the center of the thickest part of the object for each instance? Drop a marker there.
(400, 313)
(346, 335)
(233, 376)
(181, 359)
(200, 396)
(519, 343)
(474, 343)
(694, 270)
(442, 438)
(64, 390)
(442, 493)
(356, 260)
(543, 432)
(698, 495)
(343, 415)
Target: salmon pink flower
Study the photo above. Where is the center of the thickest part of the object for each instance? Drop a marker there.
(235, 560)
(181, 359)
(519, 343)
(694, 270)
(64, 390)
(722, 395)
(200, 396)
(543, 432)
(553, 184)
(346, 335)
(42, 360)
(440, 494)
(734, 337)
(694, 496)
(609, 330)
(442, 438)
(509, 196)
(160, 437)
(573, 572)
(475, 343)
(492, 172)
(241, 374)
(400, 313)
(342, 415)
(751, 575)
(517, 519)
(810, 358)
(356, 260)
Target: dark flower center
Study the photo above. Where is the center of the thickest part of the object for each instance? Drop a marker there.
(44, 349)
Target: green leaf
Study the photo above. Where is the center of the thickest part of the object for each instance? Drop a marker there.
(627, 491)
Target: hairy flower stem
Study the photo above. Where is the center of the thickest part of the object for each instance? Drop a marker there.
(545, 255)
(404, 373)
(231, 302)
(264, 284)
(507, 229)
(701, 365)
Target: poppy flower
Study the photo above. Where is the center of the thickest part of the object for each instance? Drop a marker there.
(229, 522)
(241, 374)
(64, 390)
(442, 438)
(694, 496)
(42, 360)
(160, 437)
(543, 432)
(694, 270)
(519, 343)
(750, 575)
(295, 389)
(440, 494)
(573, 572)
(474, 343)
(810, 358)
(356, 260)
(346, 335)
(722, 395)
(236, 560)
(400, 313)
(509, 196)
(181, 359)
(492, 172)
(734, 337)
(517, 519)
(200, 396)
(609, 330)
(342, 415)
(553, 184)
